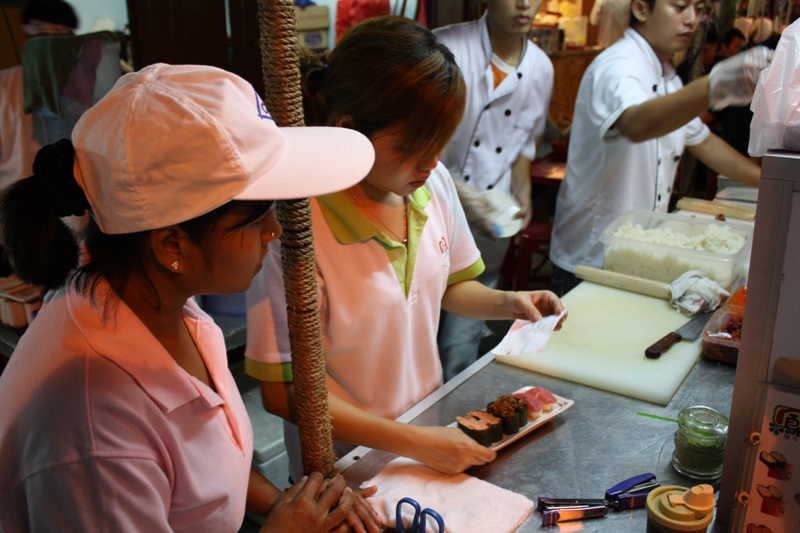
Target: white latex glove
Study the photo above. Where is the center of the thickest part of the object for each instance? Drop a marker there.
(476, 208)
(732, 81)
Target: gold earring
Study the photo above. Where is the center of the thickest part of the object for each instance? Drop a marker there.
(272, 234)
(174, 265)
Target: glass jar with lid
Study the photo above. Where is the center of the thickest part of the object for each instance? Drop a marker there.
(700, 442)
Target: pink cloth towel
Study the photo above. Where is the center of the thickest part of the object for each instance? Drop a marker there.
(467, 504)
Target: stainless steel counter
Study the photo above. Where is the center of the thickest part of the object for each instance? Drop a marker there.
(581, 452)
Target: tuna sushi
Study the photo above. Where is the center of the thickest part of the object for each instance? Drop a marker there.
(547, 397)
(535, 405)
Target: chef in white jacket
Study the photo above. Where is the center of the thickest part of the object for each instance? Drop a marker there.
(509, 84)
(633, 119)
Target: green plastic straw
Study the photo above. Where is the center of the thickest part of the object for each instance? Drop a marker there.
(696, 430)
(665, 419)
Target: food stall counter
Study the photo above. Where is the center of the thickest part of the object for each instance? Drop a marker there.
(581, 452)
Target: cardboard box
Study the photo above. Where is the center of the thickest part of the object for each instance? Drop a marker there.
(311, 18)
(314, 40)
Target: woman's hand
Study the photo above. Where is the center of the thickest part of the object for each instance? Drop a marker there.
(448, 449)
(533, 305)
(300, 510)
(362, 516)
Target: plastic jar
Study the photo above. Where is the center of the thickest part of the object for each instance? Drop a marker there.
(700, 442)
(673, 509)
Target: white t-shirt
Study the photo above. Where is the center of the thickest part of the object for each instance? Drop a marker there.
(101, 430)
(607, 174)
(379, 301)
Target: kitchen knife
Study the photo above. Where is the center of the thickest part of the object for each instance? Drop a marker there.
(689, 331)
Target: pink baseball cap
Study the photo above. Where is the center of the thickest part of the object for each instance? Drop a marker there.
(172, 142)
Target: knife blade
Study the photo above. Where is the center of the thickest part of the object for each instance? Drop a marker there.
(689, 331)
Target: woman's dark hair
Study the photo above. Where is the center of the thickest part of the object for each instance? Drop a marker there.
(44, 251)
(53, 11)
(387, 72)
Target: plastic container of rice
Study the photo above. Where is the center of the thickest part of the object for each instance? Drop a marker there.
(662, 247)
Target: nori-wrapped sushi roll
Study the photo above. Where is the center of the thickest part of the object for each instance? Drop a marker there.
(507, 412)
(779, 458)
(767, 459)
(522, 410)
(476, 428)
(495, 424)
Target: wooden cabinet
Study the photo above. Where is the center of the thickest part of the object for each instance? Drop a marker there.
(569, 66)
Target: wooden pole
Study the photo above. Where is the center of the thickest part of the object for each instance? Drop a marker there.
(283, 97)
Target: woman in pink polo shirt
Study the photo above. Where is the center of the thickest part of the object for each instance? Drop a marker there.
(118, 409)
(392, 251)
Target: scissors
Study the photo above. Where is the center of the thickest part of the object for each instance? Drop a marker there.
(420, 517)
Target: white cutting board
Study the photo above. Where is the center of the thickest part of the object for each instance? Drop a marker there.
(603, 340)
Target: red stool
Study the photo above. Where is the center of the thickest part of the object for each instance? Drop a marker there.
(535, 239)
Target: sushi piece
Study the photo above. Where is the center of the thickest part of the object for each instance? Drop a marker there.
(494, 423)
(535, 405)
(767, 459)
(780, 460)
(770, 491)
(476, 428)
(521, 408)
(506, 411)
(547, 397)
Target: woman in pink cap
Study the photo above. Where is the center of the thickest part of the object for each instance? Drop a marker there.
(119, 412)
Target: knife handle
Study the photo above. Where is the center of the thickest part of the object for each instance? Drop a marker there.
(655, 351)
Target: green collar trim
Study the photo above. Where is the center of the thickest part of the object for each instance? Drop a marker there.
(349, 226)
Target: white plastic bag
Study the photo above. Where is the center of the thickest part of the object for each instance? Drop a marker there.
(776, 102)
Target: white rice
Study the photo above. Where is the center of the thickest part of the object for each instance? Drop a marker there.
(669, 265)
(718, 239)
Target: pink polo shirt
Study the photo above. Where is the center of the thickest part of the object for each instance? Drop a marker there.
(100, 430)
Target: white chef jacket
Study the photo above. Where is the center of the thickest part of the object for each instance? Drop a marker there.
(608, 174)
(499, 124)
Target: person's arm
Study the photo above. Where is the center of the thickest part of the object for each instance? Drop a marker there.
(312, 505)
(721, 157)
(659, 116)
(730, 82)
(261, 493)
(521, 188)
(471, 299)
(343, 510)
(446, 449)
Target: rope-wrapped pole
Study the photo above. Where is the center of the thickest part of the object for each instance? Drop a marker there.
(281, 71)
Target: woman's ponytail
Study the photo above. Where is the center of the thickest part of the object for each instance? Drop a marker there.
(313, 66)
(42, 249)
